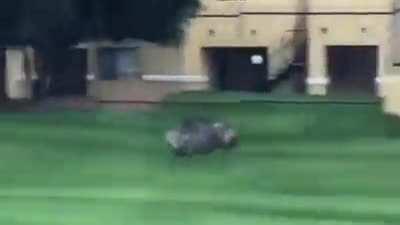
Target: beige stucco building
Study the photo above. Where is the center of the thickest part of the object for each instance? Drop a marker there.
(339, 45)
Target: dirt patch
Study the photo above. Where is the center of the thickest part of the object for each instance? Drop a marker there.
(83, 104)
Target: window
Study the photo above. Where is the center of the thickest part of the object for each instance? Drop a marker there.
(118, 63)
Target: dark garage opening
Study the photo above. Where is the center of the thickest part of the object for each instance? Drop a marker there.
(352, 69)
(238, 69)
(66, 76)
(70, 78)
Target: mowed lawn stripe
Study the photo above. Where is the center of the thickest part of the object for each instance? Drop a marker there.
(333, 165)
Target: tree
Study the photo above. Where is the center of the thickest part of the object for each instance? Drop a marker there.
(52, 26)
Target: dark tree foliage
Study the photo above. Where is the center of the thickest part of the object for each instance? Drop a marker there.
(153, 20)
(52, 24)
(10, 17)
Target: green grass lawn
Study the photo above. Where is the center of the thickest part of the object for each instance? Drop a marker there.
(315, 164)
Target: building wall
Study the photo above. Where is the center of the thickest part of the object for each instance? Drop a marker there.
(156, 59)
(351, 6)
(281, 36)
(138, 90)
(346, 30)
(231, 24)
(281, 26)
(246, 24)
(189, 58)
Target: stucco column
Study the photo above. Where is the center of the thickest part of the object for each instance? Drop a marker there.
(318, 79)
(388, 79)
(386, 72)
(16, 87)
(93, 76)
(194, 60)
(92, 63)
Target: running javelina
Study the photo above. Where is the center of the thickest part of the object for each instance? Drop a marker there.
(201, 136)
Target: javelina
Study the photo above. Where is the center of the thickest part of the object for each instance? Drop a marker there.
(201, 136)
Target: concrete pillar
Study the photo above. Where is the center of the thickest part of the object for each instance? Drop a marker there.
(390, 92)
(92, 63)
(381, 75)
(16, 82)
(317, 80)
(93, 72)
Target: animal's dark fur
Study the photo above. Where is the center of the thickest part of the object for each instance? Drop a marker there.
(201, 136)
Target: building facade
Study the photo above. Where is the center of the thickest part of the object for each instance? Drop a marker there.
(330, 35)
(336, 46)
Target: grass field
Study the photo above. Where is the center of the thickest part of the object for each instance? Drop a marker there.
(315, 164)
